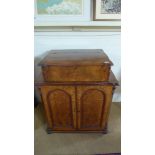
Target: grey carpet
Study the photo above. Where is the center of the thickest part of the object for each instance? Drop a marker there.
(77, 144)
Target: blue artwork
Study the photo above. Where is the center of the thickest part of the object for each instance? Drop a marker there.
(59, 7)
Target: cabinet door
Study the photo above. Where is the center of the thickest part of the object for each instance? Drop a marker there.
(59, 103)
(93, 106)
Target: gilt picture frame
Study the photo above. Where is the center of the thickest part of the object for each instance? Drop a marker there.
(107, 10)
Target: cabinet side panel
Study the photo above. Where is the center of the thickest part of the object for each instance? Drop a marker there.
(108, 92)
(43, 93)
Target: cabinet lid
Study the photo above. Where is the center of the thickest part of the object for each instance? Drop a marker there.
(78, 57)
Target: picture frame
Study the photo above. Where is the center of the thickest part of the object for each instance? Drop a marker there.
(47, 18)
(107, 10)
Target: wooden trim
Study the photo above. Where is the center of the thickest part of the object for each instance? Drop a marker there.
(93, 83)
(76, 104)
(75, 131)
(45, 104)
(111, 27)
(108, 104)
(62, 65)
(46, 116)
(103, 131)
(94, 10)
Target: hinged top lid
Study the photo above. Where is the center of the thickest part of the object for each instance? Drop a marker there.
(76, 57)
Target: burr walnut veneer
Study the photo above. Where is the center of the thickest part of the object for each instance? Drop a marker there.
(76, 89)
(79, 65)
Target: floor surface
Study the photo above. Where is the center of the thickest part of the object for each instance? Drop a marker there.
(77, 144)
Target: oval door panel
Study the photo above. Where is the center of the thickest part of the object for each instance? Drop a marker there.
(92, 106)
(60, 107)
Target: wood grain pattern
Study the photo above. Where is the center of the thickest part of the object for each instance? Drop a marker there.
(80, 108)
(60, 103)
(76, 90)
(74, 73)
(60, 109)
(75, 57)
(76, 65)
(111, 81)
(93, 106)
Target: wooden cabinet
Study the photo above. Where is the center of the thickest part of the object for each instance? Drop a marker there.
(76, 106)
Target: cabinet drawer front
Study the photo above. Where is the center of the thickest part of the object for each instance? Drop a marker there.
(59, 102)
(93, 106)
(76, 73)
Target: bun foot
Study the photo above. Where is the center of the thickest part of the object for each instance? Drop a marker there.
(49, 131)
(105, 130)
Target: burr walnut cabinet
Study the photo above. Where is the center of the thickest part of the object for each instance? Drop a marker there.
(76, 87)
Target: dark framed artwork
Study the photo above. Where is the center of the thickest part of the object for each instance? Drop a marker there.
(109, 10)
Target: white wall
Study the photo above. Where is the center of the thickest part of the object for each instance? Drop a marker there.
(108, 41)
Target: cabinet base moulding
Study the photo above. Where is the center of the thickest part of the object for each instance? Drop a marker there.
(104, 131)
(50, 131)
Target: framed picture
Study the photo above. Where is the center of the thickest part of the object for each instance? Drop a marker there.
(107, 10)
(62, 10)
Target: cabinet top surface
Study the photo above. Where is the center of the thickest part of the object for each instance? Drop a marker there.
(75, 57)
